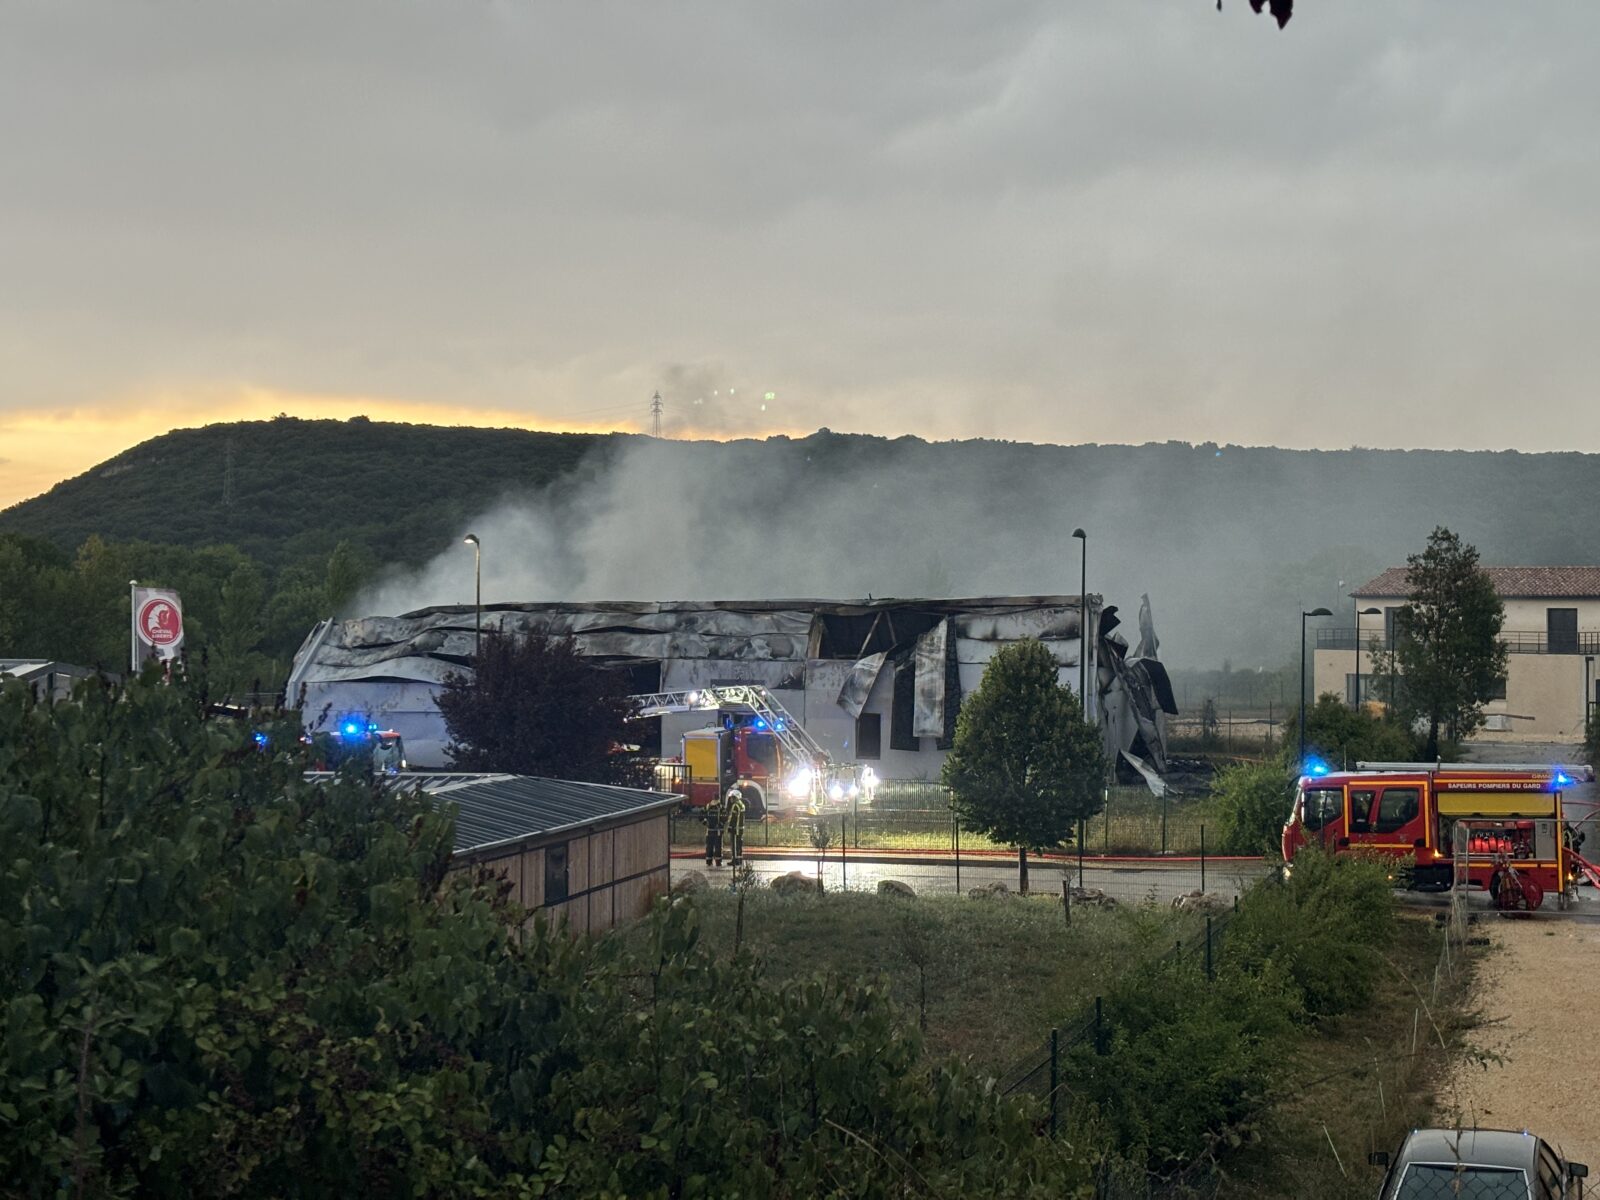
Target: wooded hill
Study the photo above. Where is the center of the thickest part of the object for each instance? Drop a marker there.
(1226, 540)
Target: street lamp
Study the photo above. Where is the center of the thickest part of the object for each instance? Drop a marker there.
(1361, 612)
(1083, 621)
(1315, 612)
(477, 594)
(1588, 693)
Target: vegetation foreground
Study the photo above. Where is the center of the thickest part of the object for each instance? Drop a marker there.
(223, 980)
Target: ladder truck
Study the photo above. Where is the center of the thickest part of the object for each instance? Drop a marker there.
(758, 745)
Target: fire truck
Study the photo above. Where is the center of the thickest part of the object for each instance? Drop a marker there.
(754, 743)
(1498, 828)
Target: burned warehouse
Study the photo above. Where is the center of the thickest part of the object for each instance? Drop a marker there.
(875, 682)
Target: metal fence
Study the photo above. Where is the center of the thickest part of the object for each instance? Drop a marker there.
(1133, 822)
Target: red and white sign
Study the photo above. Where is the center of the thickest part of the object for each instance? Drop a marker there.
(158, 622)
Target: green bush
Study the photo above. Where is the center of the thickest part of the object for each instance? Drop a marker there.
(1251, 802)
(1183, 1064)
(1187, 1061)
(1324, 928)
(1343, 736)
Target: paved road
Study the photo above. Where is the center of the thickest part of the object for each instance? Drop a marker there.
(1127, 882)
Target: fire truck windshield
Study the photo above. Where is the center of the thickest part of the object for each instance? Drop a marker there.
(1319, 806)
(763, 749)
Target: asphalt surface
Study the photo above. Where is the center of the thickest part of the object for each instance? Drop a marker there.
(1125, 882)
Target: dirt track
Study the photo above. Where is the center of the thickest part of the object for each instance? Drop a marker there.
(1535, 989)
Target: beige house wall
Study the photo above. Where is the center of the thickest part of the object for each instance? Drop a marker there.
(1544, 692)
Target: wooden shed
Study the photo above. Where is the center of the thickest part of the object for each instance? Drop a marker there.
(593, 855)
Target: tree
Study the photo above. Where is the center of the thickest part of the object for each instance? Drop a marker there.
(1447, 656)
(1251, 801)
(205, 950)
(1026, 766)
(1282, 10)
(1343, 736)
(534, 706)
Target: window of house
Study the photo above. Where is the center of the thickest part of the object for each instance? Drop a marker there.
(1390, 629)
(1496, 691)
(555, 873)
(1397, 809)
(1561, 630)
(1361, 811)
(869, 735)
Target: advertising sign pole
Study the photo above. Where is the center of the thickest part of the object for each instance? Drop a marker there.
(133, 623)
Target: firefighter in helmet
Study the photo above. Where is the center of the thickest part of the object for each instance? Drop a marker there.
(733, 823)
(713, 816)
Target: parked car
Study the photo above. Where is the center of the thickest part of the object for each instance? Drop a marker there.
(1478, 1164)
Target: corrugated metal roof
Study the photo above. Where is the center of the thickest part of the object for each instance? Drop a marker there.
(1514, 583)
(493, 810)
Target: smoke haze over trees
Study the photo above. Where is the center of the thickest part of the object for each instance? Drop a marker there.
(1227, 541)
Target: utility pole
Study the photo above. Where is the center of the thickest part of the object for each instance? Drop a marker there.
(655, 415)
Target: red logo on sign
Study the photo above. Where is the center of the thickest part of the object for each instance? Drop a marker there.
(160, 622)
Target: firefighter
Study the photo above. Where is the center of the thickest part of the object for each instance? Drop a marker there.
(713, 834)
(733, 822)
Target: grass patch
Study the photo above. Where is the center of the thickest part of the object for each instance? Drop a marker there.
(999, 975)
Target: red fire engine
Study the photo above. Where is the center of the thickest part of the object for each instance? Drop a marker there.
(1495, 828)
(754, 743)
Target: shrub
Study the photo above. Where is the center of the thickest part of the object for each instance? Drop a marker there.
(1187, 1060)
(1323, 928)
(1252, 801)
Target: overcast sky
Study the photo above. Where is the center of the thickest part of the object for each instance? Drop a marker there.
(1123, 221)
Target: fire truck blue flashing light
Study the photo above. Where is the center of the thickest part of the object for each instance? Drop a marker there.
(761, 722)
(1316, 768)
(1562, 779)
(261, 739)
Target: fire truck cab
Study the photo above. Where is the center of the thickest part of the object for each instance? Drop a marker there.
(732, 752)
(1457, 824)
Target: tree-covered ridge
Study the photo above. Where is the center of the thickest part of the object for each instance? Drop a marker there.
(300, 487)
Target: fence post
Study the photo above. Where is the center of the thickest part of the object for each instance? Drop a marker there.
(1105, 807)
(1066, 900)
(1080, 852)
(1202, 859)
(1210, 972)
(844, 848)
(955, 824)
(1055, 1077)
(1163, 821)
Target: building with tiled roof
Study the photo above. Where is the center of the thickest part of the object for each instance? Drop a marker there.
(1552, 631)
(1512, 583)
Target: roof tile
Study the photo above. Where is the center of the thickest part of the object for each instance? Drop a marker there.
(1511, 583)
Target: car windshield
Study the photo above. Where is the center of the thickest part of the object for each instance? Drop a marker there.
(1461, 1181)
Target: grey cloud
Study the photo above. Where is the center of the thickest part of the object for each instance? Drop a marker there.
(1083, 222)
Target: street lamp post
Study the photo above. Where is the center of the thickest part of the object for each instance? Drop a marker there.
(1315, 612)
(1083, 621)
(477, 594)
(1361, 612)
(1588, 693)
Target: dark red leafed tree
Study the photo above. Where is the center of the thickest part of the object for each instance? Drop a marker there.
(535, 706)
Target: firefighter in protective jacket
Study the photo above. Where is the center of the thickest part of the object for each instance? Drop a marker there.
(733, 823)
(713, 815)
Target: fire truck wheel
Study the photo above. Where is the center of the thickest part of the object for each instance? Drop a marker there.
(755, 804)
